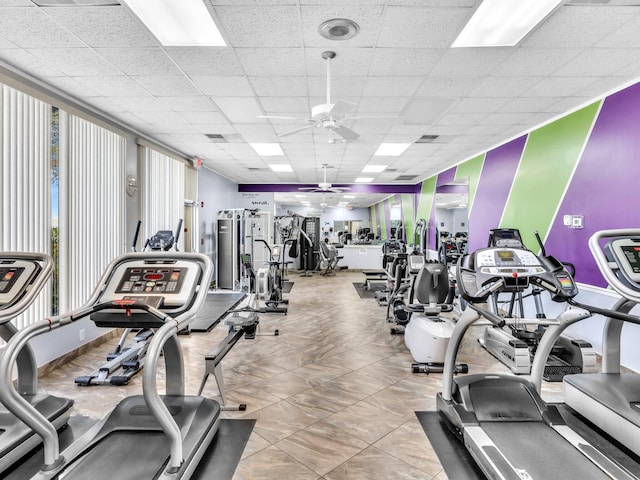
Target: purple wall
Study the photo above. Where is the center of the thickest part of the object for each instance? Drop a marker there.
(606, 185)
(497, 175)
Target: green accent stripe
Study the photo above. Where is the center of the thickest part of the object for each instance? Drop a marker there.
(408, 214)
(374, 218)
(425, 201)
(541, 181)
(383, 219)
(471, 170)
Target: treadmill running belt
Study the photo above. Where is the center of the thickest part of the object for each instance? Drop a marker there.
(535, 448)
(143, 457)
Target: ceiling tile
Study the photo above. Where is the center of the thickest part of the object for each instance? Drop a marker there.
(404, 61)
(112, 86)
(170, 86)
(368, 18)
(71, 86)
(466, 119)
(599, 61)
(239, 109)
(481, 104)
(391, 86)
(76, 61)
(558, 86)
(279, 86)
(108, 26)
(503, 118)
(272, 62)
(188, 104)
(582, 26)
(140, 61)
(347, 62)
(624, 36)
(393, 105)
(448, 86)
(546, 61)
(504, 86)
(28, 63)
(223, 86)
(261, 25)
(30, 28)
(140, 103)
(411, 27)
(532, 104)
(199, 118)
(277, 105)
(469, 61)
(221, 128)
(340, 87)
(206, 60)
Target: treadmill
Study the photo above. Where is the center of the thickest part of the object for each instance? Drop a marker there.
(502, 420)
(22, 278)
(149, 436)
(611, 399)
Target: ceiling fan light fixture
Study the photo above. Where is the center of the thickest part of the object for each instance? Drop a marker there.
(338, 29)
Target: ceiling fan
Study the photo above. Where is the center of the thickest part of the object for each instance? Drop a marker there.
(324, 186)
(329, 116)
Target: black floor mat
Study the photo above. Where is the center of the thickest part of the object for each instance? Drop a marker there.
(459, 465)
(214, 309)
(219, 461)
(456, 461)
(373, 288)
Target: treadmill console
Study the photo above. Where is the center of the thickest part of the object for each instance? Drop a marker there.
(625, 253)
(169, 284)
(16, 274)
(504, 269)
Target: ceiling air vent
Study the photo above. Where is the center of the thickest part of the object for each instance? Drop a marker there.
(216, 137)
(406, 178)
(258, 169)
(427, 138)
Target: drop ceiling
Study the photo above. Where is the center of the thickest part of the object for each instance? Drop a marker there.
(399, 66)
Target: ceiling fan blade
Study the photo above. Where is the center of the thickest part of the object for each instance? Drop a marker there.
(372, 117)
(344, 132)
(291, 132)
(341, 108)
(286, 118)
(310, 189)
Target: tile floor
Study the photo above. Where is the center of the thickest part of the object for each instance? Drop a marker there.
(333, 394)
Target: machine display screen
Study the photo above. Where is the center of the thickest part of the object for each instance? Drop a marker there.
(8, 277)
(565, 282)
(505, 255)
(152, 280)
(632, 254)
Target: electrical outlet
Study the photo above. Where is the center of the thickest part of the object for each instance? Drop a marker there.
(81, 335)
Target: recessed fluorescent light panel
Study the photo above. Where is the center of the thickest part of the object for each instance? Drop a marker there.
(300, 196)
(348, 196)
(391, 149)
(503, 23)
(373, 168)
(364, 180)
(267, 149)
(187, 23)
(283, 167)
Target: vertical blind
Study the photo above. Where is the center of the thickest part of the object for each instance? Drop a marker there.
(92, 207)
(25, 180)
(163, 180)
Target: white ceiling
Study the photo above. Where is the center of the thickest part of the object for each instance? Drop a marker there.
(399, 65)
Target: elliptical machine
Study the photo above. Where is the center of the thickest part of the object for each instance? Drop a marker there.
(516, 344)
(125, 361)
(427, 333)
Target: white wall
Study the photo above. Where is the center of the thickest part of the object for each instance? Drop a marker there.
(217, 193)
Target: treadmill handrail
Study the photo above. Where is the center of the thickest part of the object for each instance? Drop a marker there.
(601, 260)
(40, 425)
(46, 264)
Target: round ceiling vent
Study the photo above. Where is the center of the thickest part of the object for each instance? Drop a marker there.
(339, 29)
